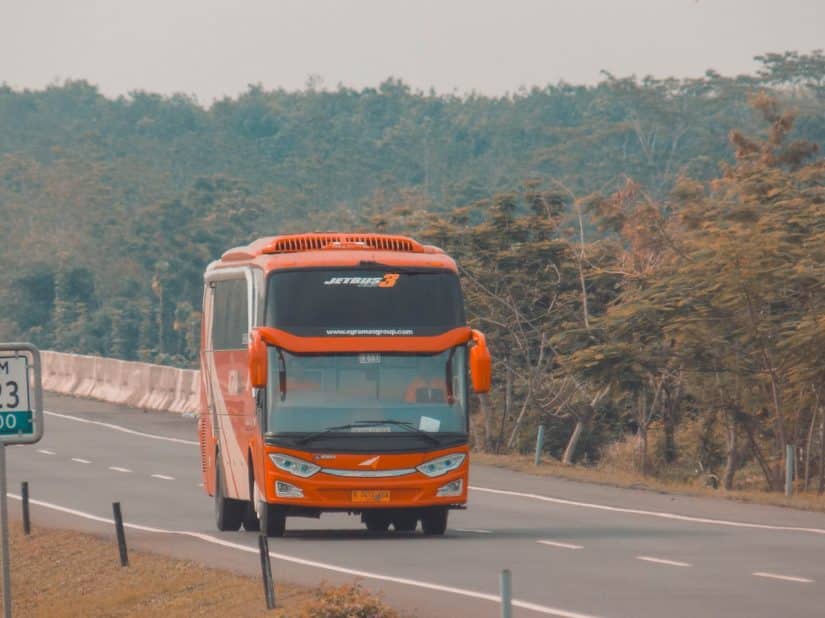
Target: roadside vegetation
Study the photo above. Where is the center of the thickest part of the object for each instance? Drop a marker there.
(626, 477)
(683, 341)
(645, 255)
(58, 573)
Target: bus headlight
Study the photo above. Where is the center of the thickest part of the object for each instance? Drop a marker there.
(441, 465)
(293, 465)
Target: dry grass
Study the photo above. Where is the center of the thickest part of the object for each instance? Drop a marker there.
(345, 602)
(623, 476)
(58, 573)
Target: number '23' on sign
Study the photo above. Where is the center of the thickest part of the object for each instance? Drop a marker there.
(14, 384)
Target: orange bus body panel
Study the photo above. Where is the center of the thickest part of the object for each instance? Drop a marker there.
(308, 345)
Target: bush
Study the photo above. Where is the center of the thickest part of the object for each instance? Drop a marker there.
(350, 601)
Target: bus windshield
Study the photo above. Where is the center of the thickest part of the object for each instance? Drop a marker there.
(364, 302)
(355, 393)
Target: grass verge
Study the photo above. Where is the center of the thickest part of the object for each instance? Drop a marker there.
(59, 573)
(621, 478)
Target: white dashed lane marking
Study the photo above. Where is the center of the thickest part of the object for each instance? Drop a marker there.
(475, 530)
(663, 561)
(119, 469)
(562, 545)
(787, 578)
(163, 477)
(79, 460)
(46, 451)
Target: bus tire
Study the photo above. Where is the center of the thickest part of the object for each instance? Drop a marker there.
(434, 521)
(273, 520)
(228, 512)
(376, 521)
(251, 523)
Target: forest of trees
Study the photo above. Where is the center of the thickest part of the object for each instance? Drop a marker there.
(646, 255)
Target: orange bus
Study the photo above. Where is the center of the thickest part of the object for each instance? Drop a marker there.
(334, 378)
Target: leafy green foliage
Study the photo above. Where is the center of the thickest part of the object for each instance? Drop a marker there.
(644, 254)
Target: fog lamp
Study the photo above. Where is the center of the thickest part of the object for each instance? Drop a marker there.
(288, 490)
(453, 488)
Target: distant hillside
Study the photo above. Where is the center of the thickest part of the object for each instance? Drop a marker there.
(99, 197)
(645, 256)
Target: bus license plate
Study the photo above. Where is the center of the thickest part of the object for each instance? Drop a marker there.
(360, 495)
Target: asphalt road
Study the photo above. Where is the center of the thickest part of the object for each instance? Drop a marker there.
(574, 549)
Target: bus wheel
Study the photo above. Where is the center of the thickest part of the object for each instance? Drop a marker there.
(273, 520)
(376, 521)
(434, 521)
(405, 522)
(228, 512)
(250, 519)
(251, 523)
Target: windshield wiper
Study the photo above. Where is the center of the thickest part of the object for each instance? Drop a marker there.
(356, 424)
(405, 425)
(318, 434)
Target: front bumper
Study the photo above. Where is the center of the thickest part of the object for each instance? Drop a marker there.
(324, 491)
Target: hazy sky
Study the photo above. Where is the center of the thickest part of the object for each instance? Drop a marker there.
(212, 48)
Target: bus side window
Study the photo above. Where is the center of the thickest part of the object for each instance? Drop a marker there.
(229, 316)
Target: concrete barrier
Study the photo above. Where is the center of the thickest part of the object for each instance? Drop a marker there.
(139, 385)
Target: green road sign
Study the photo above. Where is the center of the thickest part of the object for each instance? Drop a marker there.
(21, 422)
(16, 423)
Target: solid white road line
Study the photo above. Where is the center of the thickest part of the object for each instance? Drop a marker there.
(119, 469)
(163, 477)
(495, 598)
(562, 545)
(46, 451)
(79, 460)
(663, 515)
(475, 530)
(787, 578)
(123, 429)
(663, 561)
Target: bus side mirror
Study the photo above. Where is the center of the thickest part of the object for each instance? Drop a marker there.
(481, 365)
(258, 369)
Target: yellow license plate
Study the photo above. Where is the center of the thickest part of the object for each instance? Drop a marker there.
(359, 495)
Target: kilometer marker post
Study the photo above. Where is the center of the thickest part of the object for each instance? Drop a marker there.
(4, 515)
(539, 445)
(266, 571)
(506, 585)
(21, 422)
(24, 494)
(121, 535)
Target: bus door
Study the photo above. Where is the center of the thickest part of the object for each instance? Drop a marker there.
(233, 405)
